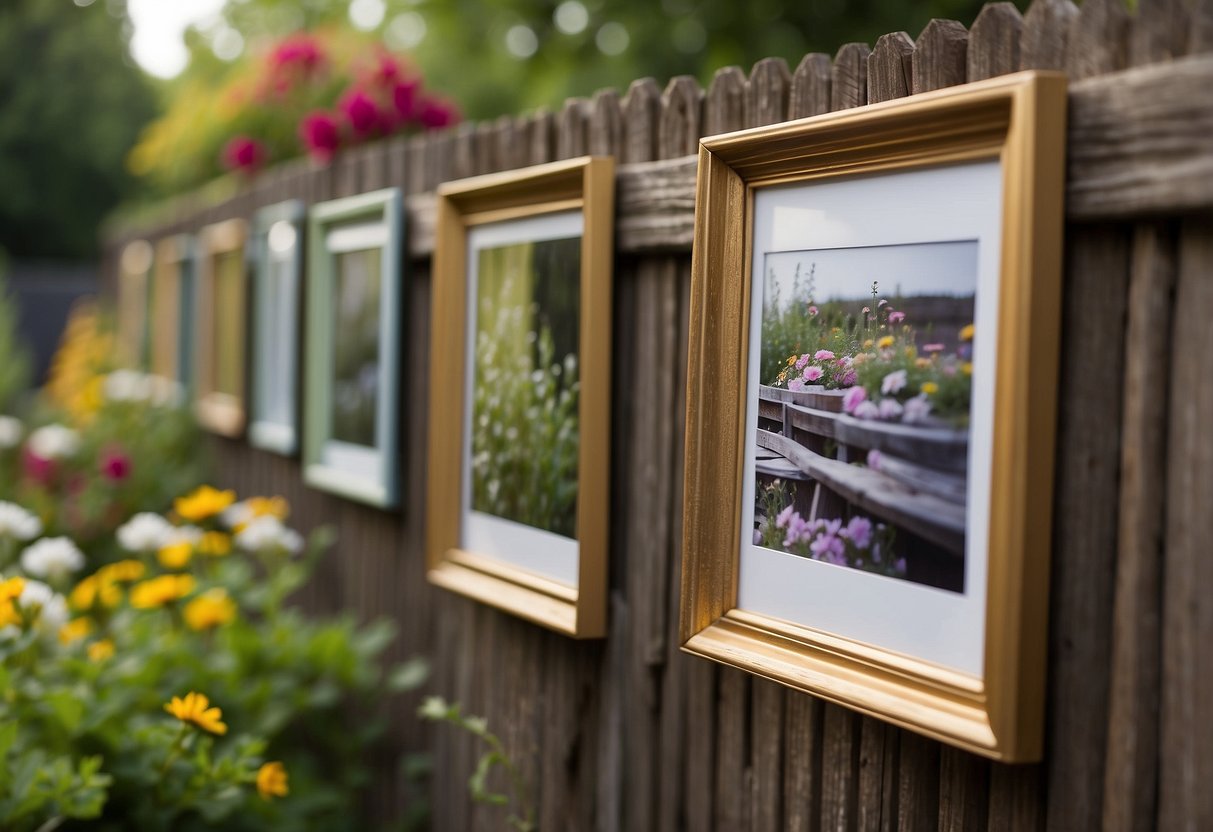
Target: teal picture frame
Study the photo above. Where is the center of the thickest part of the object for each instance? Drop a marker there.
(277, 254)
(370, 225)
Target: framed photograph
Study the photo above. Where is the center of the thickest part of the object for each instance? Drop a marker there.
(520, 392)
(353, 347)
(171, 336)
(874, 323)
(219, 354)
(277, 246)
(134, 295)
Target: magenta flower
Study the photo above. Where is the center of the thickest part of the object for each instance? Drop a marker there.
(434, 113)
(812, 373)
(405, 99)
(849, 378)
(243, 154)
(812, 311)
(823, 355)
(781, 519)
(896, 317)
(115, 465)
(297, 53)
(798, 530)
(320, 135)
(361, 111)
(852, 399)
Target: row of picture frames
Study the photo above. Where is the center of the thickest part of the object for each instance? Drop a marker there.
(874, 328)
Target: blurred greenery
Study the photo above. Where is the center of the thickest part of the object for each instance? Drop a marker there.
(71, 105)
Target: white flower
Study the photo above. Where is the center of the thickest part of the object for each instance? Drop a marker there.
(17, 523)
(866, 410)
(237, 514)
(893, 382)
(165, 392)
(182, 534)
(890, 409)
(10, 431)
(50, 606)
(267, 532)
(127, 386)
(54, 442)
(52, 557)
(917, 409)
(145, 532)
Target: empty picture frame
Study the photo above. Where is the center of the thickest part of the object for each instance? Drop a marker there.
(219, 352)
(520, 369)
(134, 297)
(874, 322)
(277, 246)
(171, 336)
(353, 347)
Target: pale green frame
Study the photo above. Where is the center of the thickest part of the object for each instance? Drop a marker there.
(277, 437)
(384, 207)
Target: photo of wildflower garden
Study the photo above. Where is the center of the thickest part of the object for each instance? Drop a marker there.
(861, 451)
(356, 346)
(525, 384)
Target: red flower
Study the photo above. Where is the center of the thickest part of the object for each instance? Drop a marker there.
(387, 71)
(320, 135)
(40, 470)
(115, 465)
(300, 53)
(243, 154)
(405, 95)
(434, 113)
(361, 112)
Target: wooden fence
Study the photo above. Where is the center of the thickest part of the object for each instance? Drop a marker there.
(629, 734)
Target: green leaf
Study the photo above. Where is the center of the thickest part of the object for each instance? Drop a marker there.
(408, 675)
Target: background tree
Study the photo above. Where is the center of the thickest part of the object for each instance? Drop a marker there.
(71, 105)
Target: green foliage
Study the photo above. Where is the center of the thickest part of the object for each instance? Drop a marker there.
(437, 709)
(14, 356)
(71, 105)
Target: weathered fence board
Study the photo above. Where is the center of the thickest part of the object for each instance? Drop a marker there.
(630, 734)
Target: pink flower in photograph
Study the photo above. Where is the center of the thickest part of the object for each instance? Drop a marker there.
(867, 410)
(932, 347)
(298, 53)
(859, 531)
(893, 382)
(874, 459)
(243, 154)
(890, 409)
(434, 113)
(405, 98)
(387, 70)
(917, 409)
(812, 311)
(115, 466)
(823, 355)
(784, 517)
(361, 111)
(852, 399)
(803, 360)
(320, 135)
(867, 310)
(896, 317)
(848, 378)
(883, 302)
(798, 530)
(796, 385)
(812, 373)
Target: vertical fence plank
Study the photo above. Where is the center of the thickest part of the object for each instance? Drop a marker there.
(641, 110)
(1130, 787)
(891, 68)
(1015, 798)
(963, 789)
(571, 137)
(1186, 769)
(940, 56)
(802, 767)
(994, 41)
(849, 80)
(917, 784)
(1046, 28)
(681, 118)
(839, 768)
(876, 810)
(1200, 39)
(732, 788)
(810, 92)
(1159, 32)
(767, 101)
(725, 110)
(1084, 532)
(766, 809)
(541, 128)
(1098, 39)
(606, 123)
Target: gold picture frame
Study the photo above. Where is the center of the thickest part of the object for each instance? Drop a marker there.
(492, 231)
(760, 192)
(220, 350)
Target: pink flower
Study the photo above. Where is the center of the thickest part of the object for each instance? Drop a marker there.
(798, 530)
(882, 303)
(405, 98)
(874, 459)
(812, 311)
(896, 317)
(434, 113)
(781, 519)
(812, 373)
(243, 154)
(917, 409)
(859, 530)
(796, 385)
(802, 361)
(848, 379)
(890, 409)
(823, 355)
(866, 410)
(893, 382)
(866, 310)
(115, 465)
(361, 111)
(387, 70)
(40, 470)
(320, 135)
(297, 53)
(852, 398)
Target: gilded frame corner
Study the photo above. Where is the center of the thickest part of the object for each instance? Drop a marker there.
(1019, 120)
(585, 184)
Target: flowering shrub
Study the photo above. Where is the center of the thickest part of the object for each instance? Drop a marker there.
(155, 692)
(316, 92)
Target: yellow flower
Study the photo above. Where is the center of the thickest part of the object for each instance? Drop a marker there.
(271, 781)
(930, 388)
(101, 650)
(195, 709)
(204, 502)
(966, 334)
(92, 590)
(911, 352)
(212, 608)
(792, 359)
(921, 363)
(12, 588)
(122, 571)
(215, 544)
(75, 629)
(967, 368)
(885, 342)
(160, 591)
(175, 555)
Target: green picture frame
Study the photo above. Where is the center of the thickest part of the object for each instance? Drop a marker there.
(352, 387)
